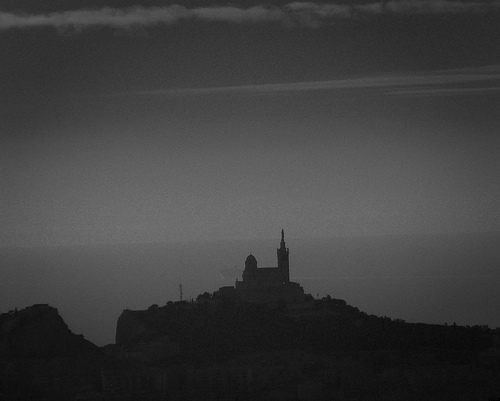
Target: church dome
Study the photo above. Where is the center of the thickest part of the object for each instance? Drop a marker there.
(250, 261)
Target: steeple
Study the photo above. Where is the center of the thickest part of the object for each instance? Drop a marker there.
(283, 253)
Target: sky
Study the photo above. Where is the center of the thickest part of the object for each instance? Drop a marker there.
(126, 122)
(160, 121)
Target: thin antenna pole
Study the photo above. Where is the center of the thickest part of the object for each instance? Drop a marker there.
(180, 291)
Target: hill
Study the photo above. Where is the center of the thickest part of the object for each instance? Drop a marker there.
(40, 358)
(218, 349)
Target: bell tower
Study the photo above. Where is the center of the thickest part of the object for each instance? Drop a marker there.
(283, 264)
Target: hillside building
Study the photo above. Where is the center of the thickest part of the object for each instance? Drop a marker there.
(266, 284)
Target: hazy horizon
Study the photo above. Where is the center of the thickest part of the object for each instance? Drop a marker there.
(418, 278)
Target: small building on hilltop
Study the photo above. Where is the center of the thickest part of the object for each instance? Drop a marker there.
(265, 284)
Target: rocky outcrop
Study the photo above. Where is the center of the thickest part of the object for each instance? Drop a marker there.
(130, 327)
(39, 332)
(139, 337)
(40, 358)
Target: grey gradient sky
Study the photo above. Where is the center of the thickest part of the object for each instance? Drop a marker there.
(161, 121)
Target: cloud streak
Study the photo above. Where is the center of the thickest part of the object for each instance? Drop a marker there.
(293, 14)
(479, 80)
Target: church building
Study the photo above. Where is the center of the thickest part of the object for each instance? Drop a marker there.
(266, 284)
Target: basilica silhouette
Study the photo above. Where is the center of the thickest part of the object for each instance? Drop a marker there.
(265, 284)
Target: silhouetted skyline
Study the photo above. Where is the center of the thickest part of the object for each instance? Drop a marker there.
(429, 279)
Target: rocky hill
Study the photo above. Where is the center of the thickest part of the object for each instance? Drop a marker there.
(40, 358)
(213, 349)
(220, 329)
(220, 349)
(39, 331)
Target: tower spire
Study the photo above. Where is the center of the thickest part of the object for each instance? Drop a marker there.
(283, 253)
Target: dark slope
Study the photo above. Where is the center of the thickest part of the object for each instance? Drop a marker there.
(221, 329)
(40, 358)
(217, 349)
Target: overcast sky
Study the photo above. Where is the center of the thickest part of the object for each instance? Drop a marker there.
(152, 121)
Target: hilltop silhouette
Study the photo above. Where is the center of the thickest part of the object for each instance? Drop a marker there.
(263, 339)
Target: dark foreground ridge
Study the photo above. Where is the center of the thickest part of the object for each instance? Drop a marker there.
(41, 359)
(329, 350)
(220, 349)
